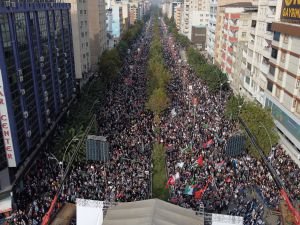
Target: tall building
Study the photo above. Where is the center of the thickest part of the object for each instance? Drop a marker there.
(80, 30)
(259, 52)
(177, 16)
(117, 21)
(211, 29)
(37, 79)
(133, 14)
(283, 76)
(97, 31)
(194, 13)
(236, 19)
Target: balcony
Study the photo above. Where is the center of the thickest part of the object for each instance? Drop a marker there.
(251, 45)
(272, 2)
(265, 68)
(252, 30)
(233, 28)
(233, 39)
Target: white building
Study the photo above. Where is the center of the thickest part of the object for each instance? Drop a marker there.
(194, 13)
(80, 32)
(211, 29)
(259, 51)
(97, 31)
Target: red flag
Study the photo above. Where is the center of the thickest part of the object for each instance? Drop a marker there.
(198, 194)
(200, 161)
(171, 181)
(208, 143)
(228, 180)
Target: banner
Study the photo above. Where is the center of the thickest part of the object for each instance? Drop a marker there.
(290, 11)
(6, 129)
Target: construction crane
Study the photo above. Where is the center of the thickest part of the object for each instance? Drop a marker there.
(277, 180)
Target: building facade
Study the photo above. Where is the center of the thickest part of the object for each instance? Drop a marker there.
(283, 78)
(80, 30)
(259, 52)
(37, 78)
(97, 31)
(234, 38)
(211, 29)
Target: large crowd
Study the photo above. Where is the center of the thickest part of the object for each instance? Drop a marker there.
(197, 158)
(194, 132)
(126, 176)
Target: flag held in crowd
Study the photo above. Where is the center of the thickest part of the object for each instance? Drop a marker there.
(188, 190)
(208, 143)
(171, 181)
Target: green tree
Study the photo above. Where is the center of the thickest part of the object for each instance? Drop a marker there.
(233, 106)
(158, 101)
(261, 124)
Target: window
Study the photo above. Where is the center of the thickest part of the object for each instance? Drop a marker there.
(286, 39)
(270, 86)
(280, 75)
(253, 23)
(244, 34)
(249, 66)
(269, 27)
(272, 70)
(282, 58)
(276, 36)
(247, 80)
(298, 107)
(277, 93)
(274, 53)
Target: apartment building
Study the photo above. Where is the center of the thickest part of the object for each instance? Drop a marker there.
(194, 13)
(259, 52)
(37, 79)
(80, 30)
(232, 42)
(211, 29)
(177, 16)
(97, 31)
(283, 78)
(133, 14)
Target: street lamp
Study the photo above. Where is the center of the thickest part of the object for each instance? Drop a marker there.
(66, 149)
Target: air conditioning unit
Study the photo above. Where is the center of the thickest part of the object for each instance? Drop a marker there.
(57, 49)
(67, 75)
(28, 134)
(59, 81)
(57, 54)
(65, 54)
(59, 69)
(61, 101)
(44, 77)
(46, 99)
(61, 95)
(66, 61)
(41, 58)
(21, 78)
(42, 65)
(22, 91)
(74, 89)
(45, 93)
(49, 120)
(48, 112)
(25, 114)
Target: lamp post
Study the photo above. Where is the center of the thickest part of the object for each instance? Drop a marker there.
(66, 149)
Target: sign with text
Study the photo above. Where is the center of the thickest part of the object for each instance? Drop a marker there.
(290, 11)
(6, 130)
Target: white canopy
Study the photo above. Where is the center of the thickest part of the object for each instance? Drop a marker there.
(150, 212)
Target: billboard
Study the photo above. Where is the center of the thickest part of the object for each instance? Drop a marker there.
(290, 11)
(89, 212)
(6, 129)
(220, 219)
(97, 148)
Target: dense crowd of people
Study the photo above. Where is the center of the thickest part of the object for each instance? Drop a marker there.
(128, 128)
(194, 131)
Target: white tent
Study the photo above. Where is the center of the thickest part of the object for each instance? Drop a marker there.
(150, 212)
